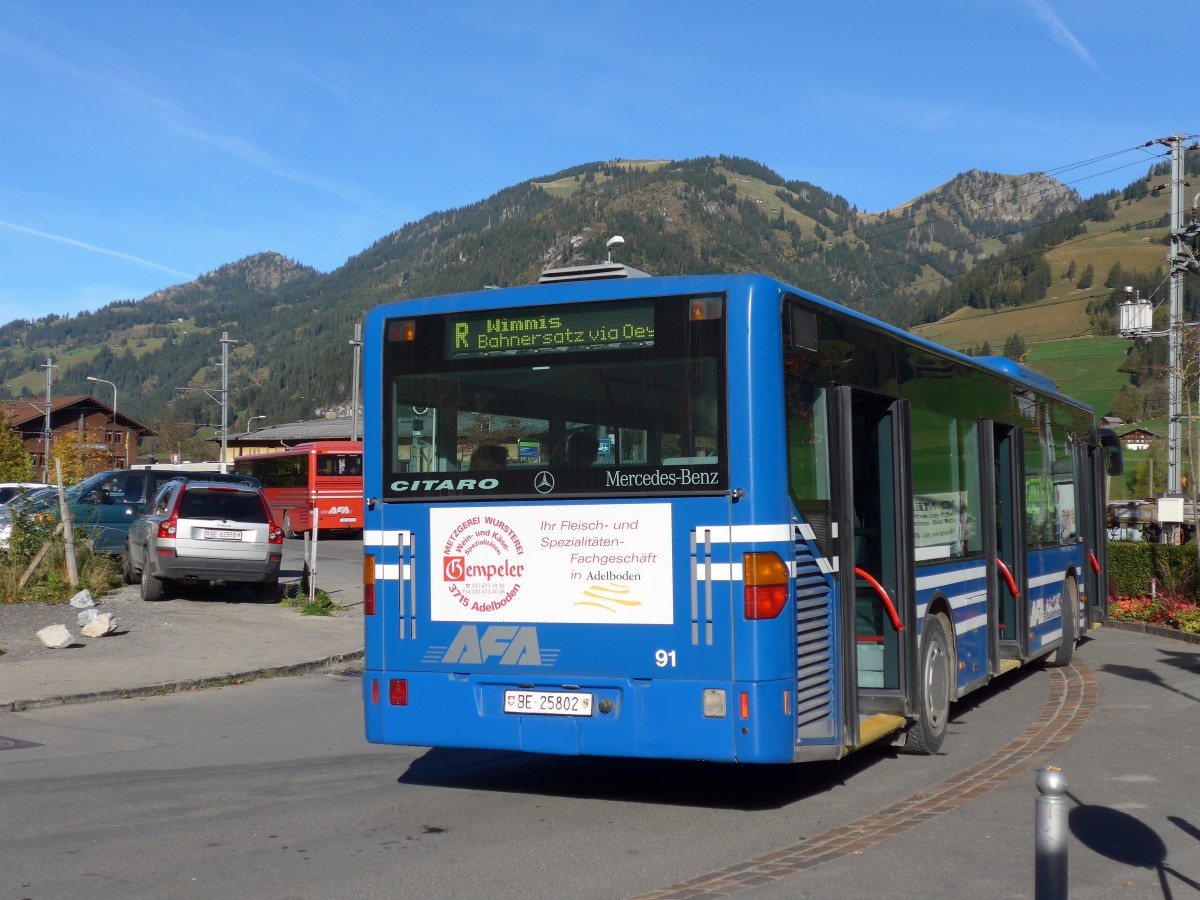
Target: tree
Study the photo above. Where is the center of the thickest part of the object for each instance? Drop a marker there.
(79, 458)
(15, 462)
(179, 437)
(1014, 348)
(1085, 280)
(1128, 404)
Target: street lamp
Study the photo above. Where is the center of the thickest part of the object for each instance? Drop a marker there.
(251, 419)
(116, 431)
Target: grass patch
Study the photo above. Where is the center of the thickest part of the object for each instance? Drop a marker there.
(1085, 369)
(320, 604)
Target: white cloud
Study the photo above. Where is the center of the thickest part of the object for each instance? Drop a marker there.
(1060, 32)
(92, 248)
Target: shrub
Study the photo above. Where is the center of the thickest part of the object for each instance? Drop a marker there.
(50, 581)
(1132, 565)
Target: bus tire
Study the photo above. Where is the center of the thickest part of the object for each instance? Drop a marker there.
(1070, 625)
(935, 673)
(287, 525)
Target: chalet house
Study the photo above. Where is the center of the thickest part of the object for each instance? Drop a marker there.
(1139, 438)
(98, 427)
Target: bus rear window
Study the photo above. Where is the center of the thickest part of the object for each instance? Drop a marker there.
(603, 398)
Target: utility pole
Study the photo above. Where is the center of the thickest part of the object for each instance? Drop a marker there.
(1175, 380)
(225, 342)
(221, 397)
(357, 344)
(1135, 317)
(46, 430)
(1181, 260)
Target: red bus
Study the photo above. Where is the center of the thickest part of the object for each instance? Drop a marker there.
(325, 475)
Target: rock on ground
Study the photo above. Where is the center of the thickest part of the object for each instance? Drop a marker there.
(105, 623)
(55, 637)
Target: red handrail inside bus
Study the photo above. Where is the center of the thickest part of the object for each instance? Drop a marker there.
(1095, 562)
(1009, 580)
(883, 595)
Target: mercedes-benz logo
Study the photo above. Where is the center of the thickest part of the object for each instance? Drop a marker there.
(543, 483)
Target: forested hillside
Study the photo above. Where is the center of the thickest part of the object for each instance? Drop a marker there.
(981, 242)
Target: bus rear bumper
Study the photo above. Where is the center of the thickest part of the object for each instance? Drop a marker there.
(651, 718)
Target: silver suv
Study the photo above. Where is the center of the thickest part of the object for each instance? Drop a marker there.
(205, 531)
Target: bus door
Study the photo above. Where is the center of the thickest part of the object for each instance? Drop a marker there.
(1002, 479)
(1092, 466)
(874, 504)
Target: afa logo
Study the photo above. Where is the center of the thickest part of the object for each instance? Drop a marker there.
(454, 568)
(510, 645)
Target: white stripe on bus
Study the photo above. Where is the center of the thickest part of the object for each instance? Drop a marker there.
(745, 534)
(391, 572)
(955, 576)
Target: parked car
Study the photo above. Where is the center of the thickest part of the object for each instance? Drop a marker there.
(35, 503)
(213, 532)
(10, 489)
(106, 504)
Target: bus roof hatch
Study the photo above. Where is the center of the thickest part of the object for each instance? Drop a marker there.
(597, 272)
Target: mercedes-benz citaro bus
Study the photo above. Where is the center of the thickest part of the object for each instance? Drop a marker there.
(707, 517)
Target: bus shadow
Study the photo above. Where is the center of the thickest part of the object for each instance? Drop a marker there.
(659, 782)
(745, 788)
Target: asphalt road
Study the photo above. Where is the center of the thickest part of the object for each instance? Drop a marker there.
(339, 566)
(269, 790)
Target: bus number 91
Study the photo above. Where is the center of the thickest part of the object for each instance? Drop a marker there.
(664, 658)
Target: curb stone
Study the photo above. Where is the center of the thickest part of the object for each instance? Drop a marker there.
(191, 684)
(1153, 630)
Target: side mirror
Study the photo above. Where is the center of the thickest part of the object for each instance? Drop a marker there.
(1114, 460)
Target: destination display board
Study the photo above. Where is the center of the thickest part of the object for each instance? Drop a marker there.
(533, 331)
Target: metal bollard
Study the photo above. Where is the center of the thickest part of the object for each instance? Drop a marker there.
(1050, 840)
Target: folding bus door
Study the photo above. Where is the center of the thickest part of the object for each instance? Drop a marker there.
(1002, 463)
(1090, 466)
(873, 500)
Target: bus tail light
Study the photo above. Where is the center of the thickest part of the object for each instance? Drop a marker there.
(744, 705)
(398, 692)
(368, 585)
(766, 585)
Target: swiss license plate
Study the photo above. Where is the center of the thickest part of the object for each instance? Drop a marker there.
(547, 703)
(221, 534)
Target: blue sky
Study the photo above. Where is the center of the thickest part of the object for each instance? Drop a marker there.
(147, 143)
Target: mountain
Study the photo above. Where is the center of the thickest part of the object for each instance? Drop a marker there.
(293, 324)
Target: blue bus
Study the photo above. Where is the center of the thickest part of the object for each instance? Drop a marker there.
(707, 517)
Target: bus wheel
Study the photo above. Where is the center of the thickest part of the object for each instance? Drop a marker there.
(936, 674)
(1070, 625)
(287, 525)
